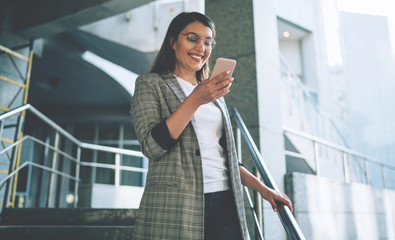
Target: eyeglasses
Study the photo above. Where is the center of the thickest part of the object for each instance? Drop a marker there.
(195, 39)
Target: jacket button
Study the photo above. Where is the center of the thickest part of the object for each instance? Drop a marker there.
(197, 152)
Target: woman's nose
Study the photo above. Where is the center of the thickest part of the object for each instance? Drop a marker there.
(200, 46)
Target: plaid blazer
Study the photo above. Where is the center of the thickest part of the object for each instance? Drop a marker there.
(172, 206)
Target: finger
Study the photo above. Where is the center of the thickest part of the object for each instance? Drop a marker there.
(225, 84)
(287, 202)
(274, 205)
(221, 77)
(225, 90)
(285, 195)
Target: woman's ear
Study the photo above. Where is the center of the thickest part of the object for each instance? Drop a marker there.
(172, 42)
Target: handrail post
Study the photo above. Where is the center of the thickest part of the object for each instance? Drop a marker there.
(367, 172)
(13, 162)
(258, 200)
(50, 198)
(10, 179)
(238, 144)
(258, 228)
(257, 212)
(77, 176)
(1, 128)
(316, 158)
(117, 169)
(384, 179)
(345, 168)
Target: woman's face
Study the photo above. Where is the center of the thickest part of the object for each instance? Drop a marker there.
(192, 48)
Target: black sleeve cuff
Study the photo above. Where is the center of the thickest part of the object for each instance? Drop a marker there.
(161, 135)
(240, 163)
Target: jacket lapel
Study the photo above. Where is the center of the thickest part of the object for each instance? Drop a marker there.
(220, 103)
(173, 84)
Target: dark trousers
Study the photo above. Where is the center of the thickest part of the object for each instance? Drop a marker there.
(220, 217)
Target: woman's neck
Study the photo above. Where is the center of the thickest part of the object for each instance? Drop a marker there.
(189, 77)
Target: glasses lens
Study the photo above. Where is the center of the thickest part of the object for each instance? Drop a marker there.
(213, 42)
(195, 39)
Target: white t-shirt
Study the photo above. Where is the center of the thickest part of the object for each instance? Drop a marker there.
(209, 128)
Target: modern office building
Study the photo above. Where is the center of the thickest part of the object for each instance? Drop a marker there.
(313, 85)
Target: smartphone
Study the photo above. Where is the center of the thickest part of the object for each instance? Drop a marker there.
(222, 65)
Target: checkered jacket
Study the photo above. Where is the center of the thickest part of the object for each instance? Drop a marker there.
(172, 206)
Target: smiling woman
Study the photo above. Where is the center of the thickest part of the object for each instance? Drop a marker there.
(194, 181)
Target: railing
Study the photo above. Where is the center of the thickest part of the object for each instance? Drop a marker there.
(346, 154)
(287, 219)
(56, 152)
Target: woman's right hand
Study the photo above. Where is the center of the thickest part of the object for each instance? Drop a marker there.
(206, 91)
(211, 89)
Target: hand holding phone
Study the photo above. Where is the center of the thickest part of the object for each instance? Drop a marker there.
(222, 65)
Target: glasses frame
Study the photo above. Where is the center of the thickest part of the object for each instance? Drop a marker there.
(210, 45)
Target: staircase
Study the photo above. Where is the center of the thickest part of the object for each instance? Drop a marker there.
(66, 223)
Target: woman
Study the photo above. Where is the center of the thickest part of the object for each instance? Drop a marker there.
(193, 188)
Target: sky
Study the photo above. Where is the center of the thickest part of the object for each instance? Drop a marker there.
(373, 7)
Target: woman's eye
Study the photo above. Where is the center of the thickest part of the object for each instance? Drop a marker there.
(208, 44)
(193, 39)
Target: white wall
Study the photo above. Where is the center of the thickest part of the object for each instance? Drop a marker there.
(109, 196)
(292, 52)
(269, 105)
(329, 209)
(300, 12)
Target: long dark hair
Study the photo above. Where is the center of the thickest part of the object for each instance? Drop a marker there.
(166, 60)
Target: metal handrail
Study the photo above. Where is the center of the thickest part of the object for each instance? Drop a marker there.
(344, 151)
(111, 149)
(81, 145)
(35, 165)
(51, 123)
(338, 147)
(84, 146)
(287, 219)
(67, 134)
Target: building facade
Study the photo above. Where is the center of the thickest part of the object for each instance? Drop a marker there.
(306, 86)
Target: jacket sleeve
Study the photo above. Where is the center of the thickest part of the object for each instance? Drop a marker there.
(149, 124)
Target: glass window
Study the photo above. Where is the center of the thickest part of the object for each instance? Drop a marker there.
(129, 133)
(108, 131)
(104, 175)
(84, 132)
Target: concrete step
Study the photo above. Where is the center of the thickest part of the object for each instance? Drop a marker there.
(67, 216)
(66, 224)
(69, 232)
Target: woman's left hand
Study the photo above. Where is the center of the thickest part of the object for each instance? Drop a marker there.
(273, 196)
(267, 193)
